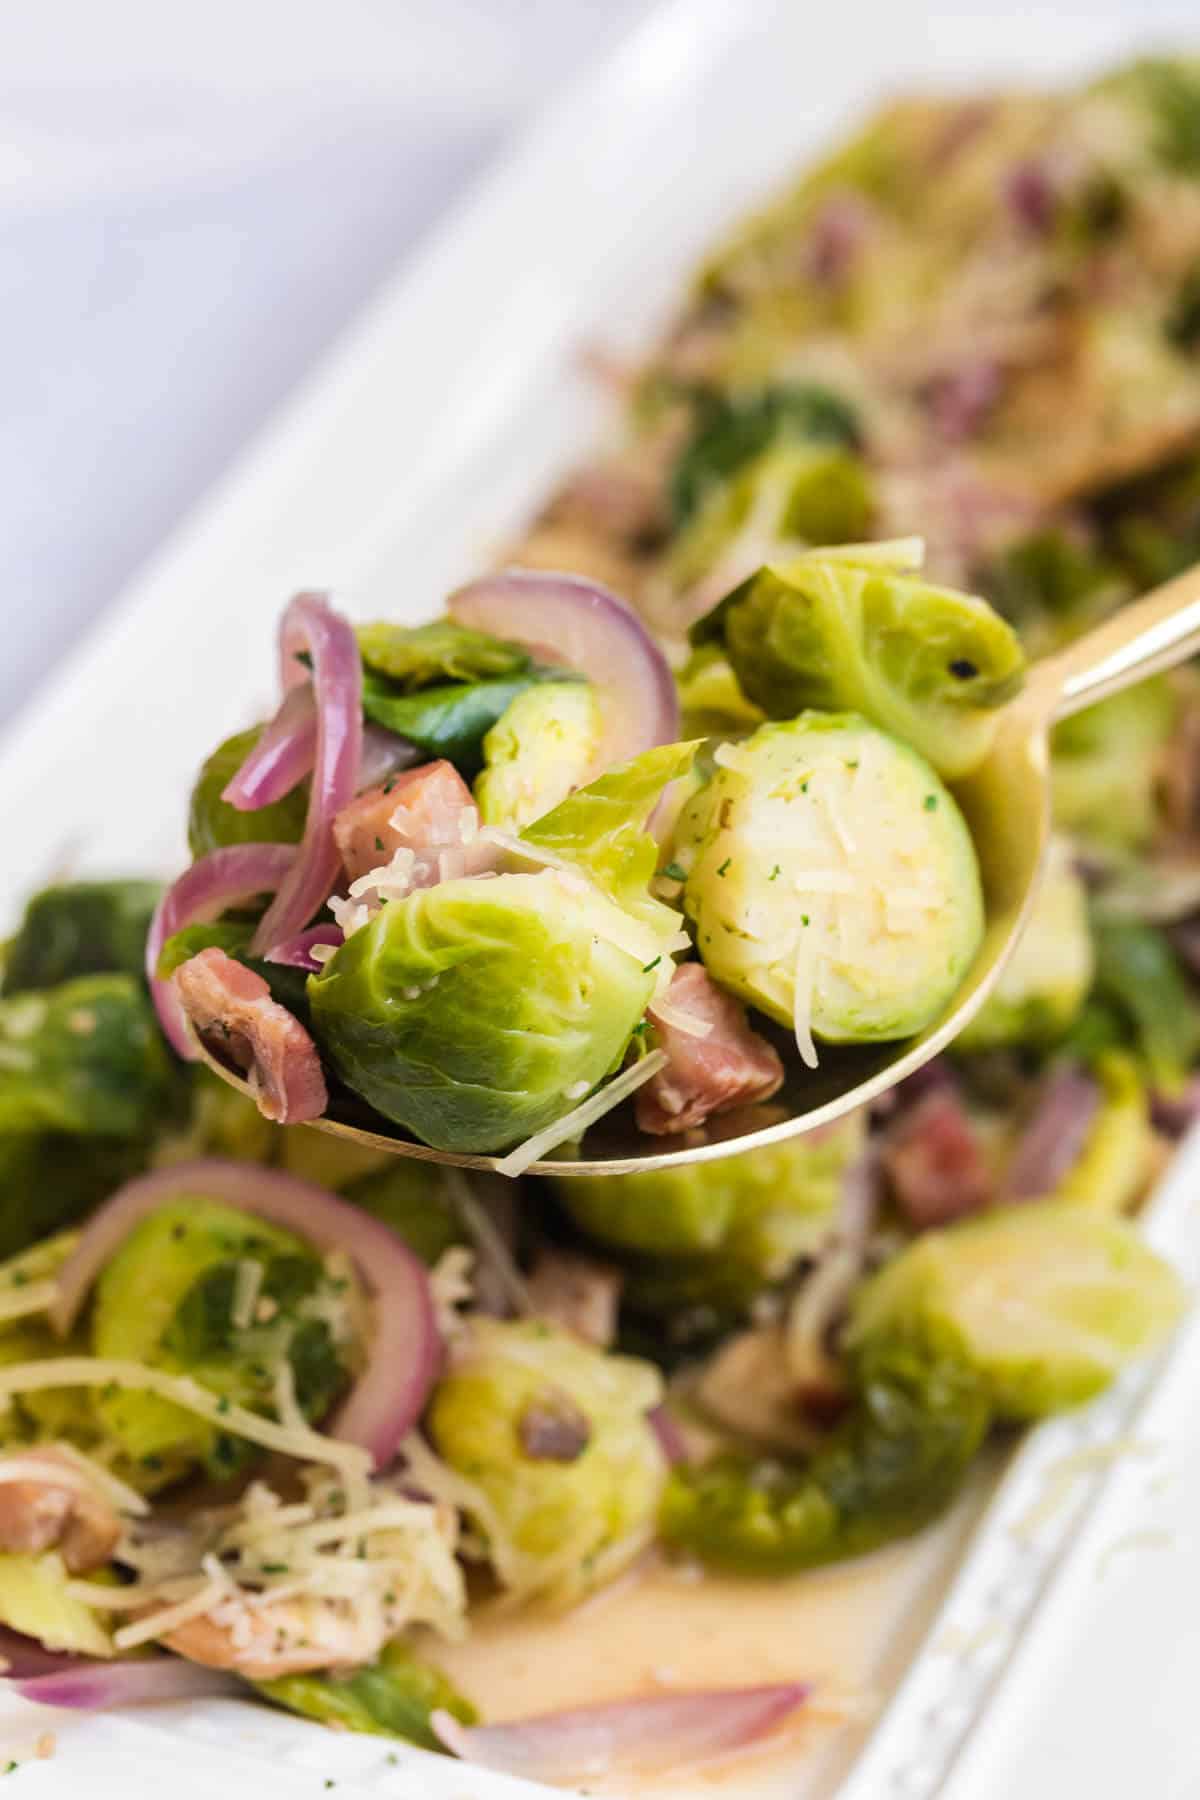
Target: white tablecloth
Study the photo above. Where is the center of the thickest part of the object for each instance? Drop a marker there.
(194, 200)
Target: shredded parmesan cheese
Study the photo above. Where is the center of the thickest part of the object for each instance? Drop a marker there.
(576, 1122)
(23, 1302)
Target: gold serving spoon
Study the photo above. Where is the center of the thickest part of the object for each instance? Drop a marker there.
(1007, 805)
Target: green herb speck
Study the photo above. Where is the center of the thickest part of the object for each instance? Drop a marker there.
(724, 865)
(673, 872)
(774, 873)
(931, 802)
(646, 967)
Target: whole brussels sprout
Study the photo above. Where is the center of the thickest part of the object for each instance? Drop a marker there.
(474, 1012)
(84, 1058)
(832, 880)
(537, 751)
(841, 629)
(1046, 980)
(554, 1436)
(213, 823)
(80, 928)
(170, 1297)
(714, 1234)
(895, 1463)
(1151, 1006)
(1104, 765)
(49, 1179)
(1043, 1302)
(394, 1697)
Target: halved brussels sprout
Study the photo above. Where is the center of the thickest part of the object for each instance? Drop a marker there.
(474, 1013)
(832, 880)
(1150, 1004)
(202, 1289)
(1114, 1164)
(36, 1600)
(537, 751)
(213, 823)
(1046, 980)
(855, 628)
(394, 1697)
(1044, 1302)
(896, 1462)
(712, 703)
(554, 1436)
(1105, 765)
(714, 1234)
(80, 928)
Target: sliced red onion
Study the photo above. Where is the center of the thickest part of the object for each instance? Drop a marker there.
(282, 757)
(592, 631)
(665, 1732)
(22, 1656)
(668, 1431)
(390, 1394)
(297, 952)
(384, 753)
(214, 883)
(97, 1686)
(311, 624)
(1054, 1137)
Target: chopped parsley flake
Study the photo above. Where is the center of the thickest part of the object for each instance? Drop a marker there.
(646, 967)
(379, 843)
(931, 801)
(804, 918)
(724, 865)
(774, 873)
(673, 872)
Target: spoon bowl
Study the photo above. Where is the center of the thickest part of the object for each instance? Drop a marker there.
(1006, 801)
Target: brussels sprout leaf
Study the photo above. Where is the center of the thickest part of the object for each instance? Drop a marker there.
(421, 656)
(450, 719)
(731, 430)
(80, 928)
(394, 1697)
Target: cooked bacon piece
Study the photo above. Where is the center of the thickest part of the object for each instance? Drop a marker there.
(934, 1161)
(578, 1293)
(747, 1386)
(429, 808)
(552, 1429)
(266, 1639)
(724, 1064)
(232, 1010)
(61, 1512)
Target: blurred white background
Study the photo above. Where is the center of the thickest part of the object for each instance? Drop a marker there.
(194, 201)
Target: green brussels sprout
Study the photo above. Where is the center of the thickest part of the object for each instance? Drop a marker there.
(712, 703)
(554, 1437)
(173, 1296)
(422, 656)
(1141, 984)
(50, 1179)
(537, 751)
(1043, 987)
(213, 823)
(732, 430)
(1051, 588)
(394, 1697)
(895, 1463)
(85, 1058)
(472, 1013)
(832, 880)
(1104, 765)
(80, 928)
(797, 495)
(476, 1012)
(1112, 1167)
(714, 1234)
(1043, 1302)
(36, 1600)
(452, 718)
(413, 1199)
(855, 629)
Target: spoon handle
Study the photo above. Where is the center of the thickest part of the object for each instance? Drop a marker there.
(1155, 633)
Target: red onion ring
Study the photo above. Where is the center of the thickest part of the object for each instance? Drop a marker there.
(592, 631)
(666, 1731)
(667, 1430)
(202, 893)
(93, 1685)
(282, 756)
(389, 1396)
(297, 952)
(310, 623)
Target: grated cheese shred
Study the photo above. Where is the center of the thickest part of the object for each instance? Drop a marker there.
(576, 1122)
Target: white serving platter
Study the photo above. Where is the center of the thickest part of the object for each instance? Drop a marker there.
(410, 454)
